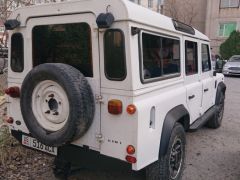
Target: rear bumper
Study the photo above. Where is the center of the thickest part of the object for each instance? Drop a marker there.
(82, 157)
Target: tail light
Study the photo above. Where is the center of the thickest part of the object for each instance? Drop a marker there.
(131, 159)
(130, 149)
(115, 107)
(13, 92)
(131, 109)
(9, 120)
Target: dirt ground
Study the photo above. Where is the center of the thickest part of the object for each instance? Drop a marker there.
(211, 154)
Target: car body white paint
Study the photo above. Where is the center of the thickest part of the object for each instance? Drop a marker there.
(111, 134)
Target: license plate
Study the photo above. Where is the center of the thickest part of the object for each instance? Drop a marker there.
(35, 144)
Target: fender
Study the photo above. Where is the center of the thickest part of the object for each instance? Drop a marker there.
(171, 118)
(221, 88)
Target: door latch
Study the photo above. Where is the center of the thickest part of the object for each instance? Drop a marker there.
(99, 138)
(99, 99)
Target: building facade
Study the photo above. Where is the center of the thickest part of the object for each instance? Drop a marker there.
(223, 17)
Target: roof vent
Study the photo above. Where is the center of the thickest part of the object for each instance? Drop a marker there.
(105, 20)
(179, 26)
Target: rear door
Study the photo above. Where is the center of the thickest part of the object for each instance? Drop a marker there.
(73, 40)
(207, 78)
(192, 78)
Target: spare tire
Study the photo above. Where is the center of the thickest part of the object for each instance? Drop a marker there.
(57, 103)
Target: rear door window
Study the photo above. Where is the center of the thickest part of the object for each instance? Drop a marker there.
(206, 61)
(191, 58)
(64, 43)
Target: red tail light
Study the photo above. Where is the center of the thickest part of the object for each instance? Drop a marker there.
(131, 109)
(130, 149)
(13, 91)
(10, 120)
(115, 106)
(131, 159)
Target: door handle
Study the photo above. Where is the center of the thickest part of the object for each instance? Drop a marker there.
(191, 97)
(206, 90)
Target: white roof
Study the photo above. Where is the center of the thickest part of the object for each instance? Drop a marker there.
(121, 9)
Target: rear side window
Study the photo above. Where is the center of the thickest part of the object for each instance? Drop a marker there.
(17, 61)
(64, 43)
(191, 58)
(114, 54)
(206, 62)
(161, 57)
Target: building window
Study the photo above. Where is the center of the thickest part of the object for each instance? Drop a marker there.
(191, 58)
(229, 3)
(114, 55)
(225, 29)
(150, 3)
(206, 62)
(160, 57)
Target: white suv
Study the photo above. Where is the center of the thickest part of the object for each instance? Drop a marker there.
(114, 78)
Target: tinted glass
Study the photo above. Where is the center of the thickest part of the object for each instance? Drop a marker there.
(64, 43)
(206, 62)
(161, 56)
(114, 51)
(191, 58)
(17, 61)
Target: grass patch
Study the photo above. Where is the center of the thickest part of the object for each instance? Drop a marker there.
(9, 147)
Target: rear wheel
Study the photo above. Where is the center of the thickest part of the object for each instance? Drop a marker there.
(170, 166)
(216, 121)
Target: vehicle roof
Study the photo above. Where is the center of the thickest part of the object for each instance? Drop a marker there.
(121, 9)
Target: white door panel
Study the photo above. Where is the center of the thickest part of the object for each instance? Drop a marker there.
(89, 139)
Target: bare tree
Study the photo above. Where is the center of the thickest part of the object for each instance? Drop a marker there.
(6, 7)
(182, 10)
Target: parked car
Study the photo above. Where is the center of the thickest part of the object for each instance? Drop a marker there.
(232, 67)
(91, 78)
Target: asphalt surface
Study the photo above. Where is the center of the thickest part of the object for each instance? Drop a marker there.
(211, 154)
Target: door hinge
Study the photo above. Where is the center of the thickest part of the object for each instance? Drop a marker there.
(99, 99)
(99, 138)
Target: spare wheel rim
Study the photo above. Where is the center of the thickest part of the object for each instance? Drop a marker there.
(50, 105)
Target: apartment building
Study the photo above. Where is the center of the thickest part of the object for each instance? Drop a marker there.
(223, 17)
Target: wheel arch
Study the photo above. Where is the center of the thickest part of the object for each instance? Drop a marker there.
(221, 88)
(177, 114)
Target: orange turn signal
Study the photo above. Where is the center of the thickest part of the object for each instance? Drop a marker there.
(130, 149)
(131, 159)
(115, 106)
(131, 109)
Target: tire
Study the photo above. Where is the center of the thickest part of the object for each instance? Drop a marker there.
(161, 169)
(57, 104)
(216, 121)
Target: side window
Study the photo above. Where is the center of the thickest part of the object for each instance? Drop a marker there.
(17, 60)
(161, 56)
(206, 62)
(114, 55)
(191, 58)
(64, 43)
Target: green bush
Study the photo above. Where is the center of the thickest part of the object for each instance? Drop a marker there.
(231, 46)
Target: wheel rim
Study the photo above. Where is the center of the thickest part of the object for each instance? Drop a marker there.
(176, 158)
(50, 105)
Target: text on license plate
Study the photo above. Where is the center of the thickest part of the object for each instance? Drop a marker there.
(34, 143)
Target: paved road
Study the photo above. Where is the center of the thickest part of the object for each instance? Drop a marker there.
(211, 154)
